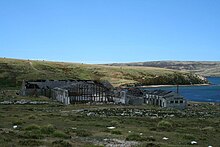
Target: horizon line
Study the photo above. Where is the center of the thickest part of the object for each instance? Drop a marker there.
(105, 62)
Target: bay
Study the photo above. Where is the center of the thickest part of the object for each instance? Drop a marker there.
(209, 93)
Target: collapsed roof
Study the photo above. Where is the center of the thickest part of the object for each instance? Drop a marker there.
(165, 94)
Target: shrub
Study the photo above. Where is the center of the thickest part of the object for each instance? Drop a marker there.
(164, 125)
(60, 134)
(32, 127)
(114, 123)
(135, 137)
(83, 133)
(49, 129)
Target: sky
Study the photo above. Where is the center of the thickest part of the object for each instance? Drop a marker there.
(107, 31)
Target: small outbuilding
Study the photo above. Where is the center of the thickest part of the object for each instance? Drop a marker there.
(166, 99)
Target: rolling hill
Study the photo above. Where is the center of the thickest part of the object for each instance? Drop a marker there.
(14, 71)
(204, 68)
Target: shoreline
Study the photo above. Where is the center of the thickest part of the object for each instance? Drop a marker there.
(158, 86)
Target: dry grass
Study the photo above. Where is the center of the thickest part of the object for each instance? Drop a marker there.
(13, 71)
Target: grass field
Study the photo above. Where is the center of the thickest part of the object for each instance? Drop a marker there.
(87, 125)
(13, 71)
(205, 68)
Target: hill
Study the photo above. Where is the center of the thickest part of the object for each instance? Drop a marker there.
(13, 71)
(204, 68)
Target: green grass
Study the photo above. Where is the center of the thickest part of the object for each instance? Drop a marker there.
(13, 71)
(58, 125)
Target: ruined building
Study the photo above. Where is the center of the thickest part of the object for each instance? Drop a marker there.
(166, 99)
(83, 91)
(69, 91)
(161, 98)
(130, 96)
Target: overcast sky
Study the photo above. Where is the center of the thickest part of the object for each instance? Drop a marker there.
(105, 31)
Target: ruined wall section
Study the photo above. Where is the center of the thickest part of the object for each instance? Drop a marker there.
(60, 95)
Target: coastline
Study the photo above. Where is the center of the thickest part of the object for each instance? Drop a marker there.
(158, 86)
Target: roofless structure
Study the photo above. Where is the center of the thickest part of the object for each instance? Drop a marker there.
(69, 91)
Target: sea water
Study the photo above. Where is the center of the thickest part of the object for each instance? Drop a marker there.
(209, 93)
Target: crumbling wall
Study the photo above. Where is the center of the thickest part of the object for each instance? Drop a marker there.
(68, 91)
(61, 95)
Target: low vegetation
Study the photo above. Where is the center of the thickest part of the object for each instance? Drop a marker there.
(53, 124)
(13, 71)
(205, 68)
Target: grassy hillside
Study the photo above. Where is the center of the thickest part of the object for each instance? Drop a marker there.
(13, 71)
(205, 68)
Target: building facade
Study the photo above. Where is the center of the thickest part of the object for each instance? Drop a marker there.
(165, 99)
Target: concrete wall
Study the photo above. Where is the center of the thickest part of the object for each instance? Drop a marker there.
(126, 99)
(61, 95)
(119, 100)
(174, 102)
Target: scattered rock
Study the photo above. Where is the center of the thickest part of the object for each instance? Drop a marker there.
(15, 127)
(193, 143)
(165, 138)
(111, 128)
(91, 114)
(23, 102)
(105, 139)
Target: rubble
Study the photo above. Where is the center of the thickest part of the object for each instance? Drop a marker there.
(23, 102)
(149, 113)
